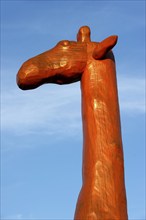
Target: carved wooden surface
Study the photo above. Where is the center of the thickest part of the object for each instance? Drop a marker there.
(103, 193)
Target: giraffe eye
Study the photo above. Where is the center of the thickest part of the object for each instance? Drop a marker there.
(65, 43)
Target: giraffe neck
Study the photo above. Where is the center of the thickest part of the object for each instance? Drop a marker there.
(103, 173)
(100, 108)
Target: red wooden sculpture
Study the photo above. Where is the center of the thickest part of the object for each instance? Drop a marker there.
(103, 193)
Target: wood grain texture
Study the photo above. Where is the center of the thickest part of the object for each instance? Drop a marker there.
(103, 195)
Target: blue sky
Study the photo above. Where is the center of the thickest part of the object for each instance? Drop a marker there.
(41, 135)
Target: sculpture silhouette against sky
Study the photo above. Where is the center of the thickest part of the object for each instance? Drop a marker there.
(103, 193)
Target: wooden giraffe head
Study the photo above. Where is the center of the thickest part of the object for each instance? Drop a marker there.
(65, 63)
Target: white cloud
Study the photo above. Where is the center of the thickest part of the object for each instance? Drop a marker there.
(17, 216)
(131, 95)
(55, 109)
(48, 110)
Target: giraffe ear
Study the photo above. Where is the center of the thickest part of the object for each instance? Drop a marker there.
(104, 46)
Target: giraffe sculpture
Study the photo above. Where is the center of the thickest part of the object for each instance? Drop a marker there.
(102, 196)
